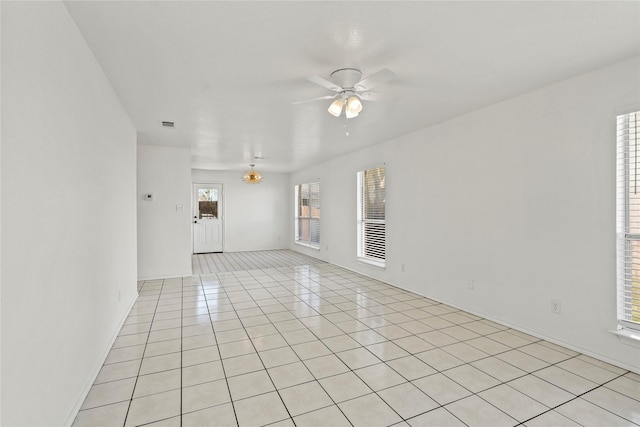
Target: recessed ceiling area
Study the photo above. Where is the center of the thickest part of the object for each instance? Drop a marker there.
(228, 73)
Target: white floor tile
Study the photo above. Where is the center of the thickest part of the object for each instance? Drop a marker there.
(337, 349)
(498, 369)
(278, 356)
(345, 386)
(441, 389)
(590, 415)
(369, 411)
(512, 402)
(358, 358)
(204, 395)
(108, 393)
(326, 366)
(248, 385)
(615, 402)
(551, 418)
(387, 351)
(587, 370)
(541, 391)
(411, 368)
(438, 417)
(565, 380)
(102, 416)
(118, 371)
(625, 385)
(379, 376)
(304, 398)
(439, 359)
(289, 375)
(329, 416)
(260, 410)
(475, 412)
(157, 383)
(222, 415)
(154, 408)
(407, 400)
(202, 373)
(471, 378)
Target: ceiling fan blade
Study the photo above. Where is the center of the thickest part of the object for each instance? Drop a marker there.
(375, 79)
(372, 96)
(324, 83)
(313, 99)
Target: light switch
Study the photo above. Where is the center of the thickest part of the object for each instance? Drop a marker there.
(179, 208)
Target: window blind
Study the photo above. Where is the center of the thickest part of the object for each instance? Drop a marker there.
(628, 219)
(307, 218)
(371, 215)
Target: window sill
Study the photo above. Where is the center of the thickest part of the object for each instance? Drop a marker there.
(628, 336)
(372, 262)
(308, 245)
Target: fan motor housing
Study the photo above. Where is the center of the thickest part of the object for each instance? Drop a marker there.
(346, 77)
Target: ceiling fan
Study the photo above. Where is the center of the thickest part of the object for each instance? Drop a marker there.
(350, 90)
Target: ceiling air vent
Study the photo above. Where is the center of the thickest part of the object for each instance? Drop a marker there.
(168, 124)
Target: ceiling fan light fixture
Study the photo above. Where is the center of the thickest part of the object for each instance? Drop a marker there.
(350, 114)
(354, 104)
(353, 107)
(252, 176)
(351, 90)
(336, 107)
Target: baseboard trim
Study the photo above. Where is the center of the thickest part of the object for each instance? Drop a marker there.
(509, 324)
(167, 276)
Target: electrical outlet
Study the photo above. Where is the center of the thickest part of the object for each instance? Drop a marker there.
(470, 285)
(402, 267)
(556, 306)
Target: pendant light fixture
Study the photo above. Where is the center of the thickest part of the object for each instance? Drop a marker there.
(252, 176)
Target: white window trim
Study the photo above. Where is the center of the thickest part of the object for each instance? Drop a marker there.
(376, 262)
(307, 245)
(628, 336)
(627, 331)
(373, 262)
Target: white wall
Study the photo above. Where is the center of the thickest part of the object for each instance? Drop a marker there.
(518, 197)
(255, 216)
(0, 217)
(68, 215)
(164, 231)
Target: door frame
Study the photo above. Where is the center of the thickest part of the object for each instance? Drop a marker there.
(222, 212)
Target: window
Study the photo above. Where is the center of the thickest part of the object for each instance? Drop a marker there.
(628, 219)
(208, 203)
(307, 215)
(371, 216)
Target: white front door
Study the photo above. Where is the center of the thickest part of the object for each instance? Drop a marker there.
(207, 218)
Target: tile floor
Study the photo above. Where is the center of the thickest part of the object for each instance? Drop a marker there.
(317, 345)
(248, 260)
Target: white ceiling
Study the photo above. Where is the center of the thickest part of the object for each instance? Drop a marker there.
(227, 72)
